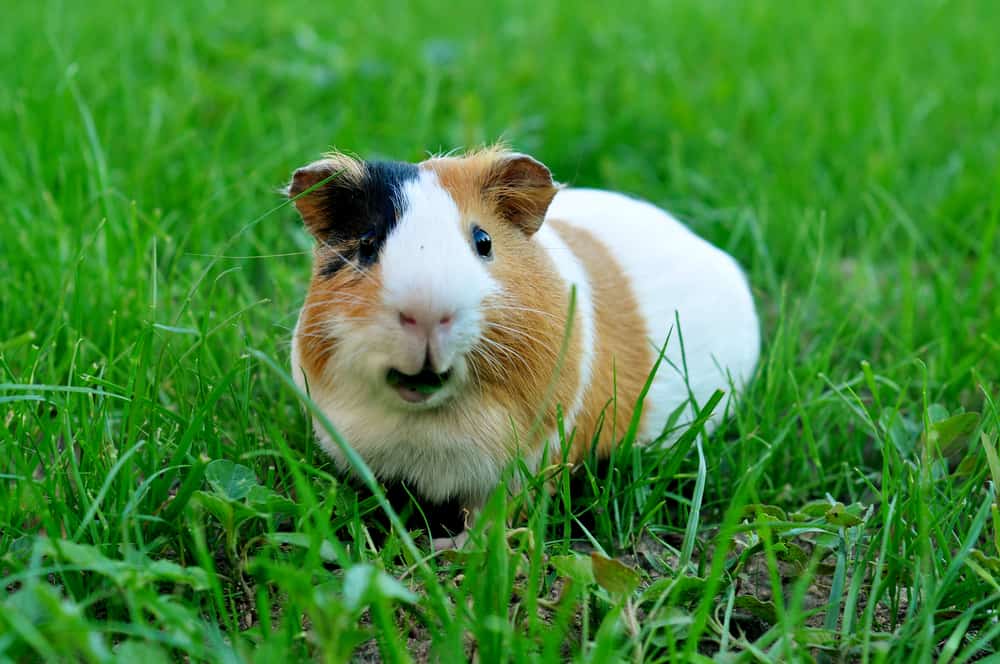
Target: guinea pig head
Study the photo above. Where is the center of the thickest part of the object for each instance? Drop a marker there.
(421, 273)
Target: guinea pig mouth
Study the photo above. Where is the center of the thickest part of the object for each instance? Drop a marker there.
(417, 388)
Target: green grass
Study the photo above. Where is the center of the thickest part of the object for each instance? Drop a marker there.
(162, 495)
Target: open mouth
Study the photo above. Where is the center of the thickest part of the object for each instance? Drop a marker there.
(419, 387)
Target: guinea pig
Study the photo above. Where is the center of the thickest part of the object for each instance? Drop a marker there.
(435, 334)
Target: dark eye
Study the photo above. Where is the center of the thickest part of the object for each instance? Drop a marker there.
(484, 245)
(367, 248)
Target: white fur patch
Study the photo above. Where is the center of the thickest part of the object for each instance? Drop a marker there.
(429, 270)
(670, 269)
(573, 273)
(428, 260)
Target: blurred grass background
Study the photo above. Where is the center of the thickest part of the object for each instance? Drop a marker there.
(846, 153)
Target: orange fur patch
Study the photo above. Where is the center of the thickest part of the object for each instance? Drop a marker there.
(465, 177)
(622, 358)
(514, 186)
(348, 294)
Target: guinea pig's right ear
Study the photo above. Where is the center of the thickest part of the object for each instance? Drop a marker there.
(521, 188)
(322, 190)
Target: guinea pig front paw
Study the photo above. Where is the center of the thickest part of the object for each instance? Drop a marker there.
(449, 543)
(456, 541)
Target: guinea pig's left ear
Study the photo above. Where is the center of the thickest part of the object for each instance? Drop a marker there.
(325, 193)
(521, 189)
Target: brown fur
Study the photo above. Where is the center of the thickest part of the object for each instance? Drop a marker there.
(622, 359)
(350, 293)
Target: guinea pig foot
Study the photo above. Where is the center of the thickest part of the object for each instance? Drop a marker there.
(449, 543)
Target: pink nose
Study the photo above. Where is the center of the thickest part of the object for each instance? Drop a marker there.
(424, 321)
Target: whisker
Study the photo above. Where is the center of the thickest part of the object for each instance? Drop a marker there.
(508, 307)
(364, 272)
(351, 299)
(519, 333)
(494, 364)
(512, 354)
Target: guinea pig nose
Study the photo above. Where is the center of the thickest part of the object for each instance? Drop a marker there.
(426, 320)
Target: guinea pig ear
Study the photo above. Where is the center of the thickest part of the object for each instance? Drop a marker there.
(521, 189)
(326, 190)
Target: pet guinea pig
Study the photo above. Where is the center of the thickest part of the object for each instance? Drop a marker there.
(434, 334)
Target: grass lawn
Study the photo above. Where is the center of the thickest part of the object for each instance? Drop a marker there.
(162, 495)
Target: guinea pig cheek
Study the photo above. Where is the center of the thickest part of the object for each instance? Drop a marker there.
(359, 351)
(336, 312)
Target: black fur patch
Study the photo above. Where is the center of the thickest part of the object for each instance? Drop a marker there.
(367, 209)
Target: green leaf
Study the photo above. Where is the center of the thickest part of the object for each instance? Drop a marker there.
(826, 541)
(50, 624)
(366, 583)
(968, 466)
(327, 552)
(670, 625)
(85, 557)
(992, 563)
(268, 500)
(758, 608)
(814, 509)
(124, 573)
(686, 590)
(839, 515)
(214, 505)
(949, 436)
(575, 567)
(165, 570)
(769, 511)
(613, 575)
(138, 651)
(791, 552)
(936, 413)
(901, 431)
(230, 480)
